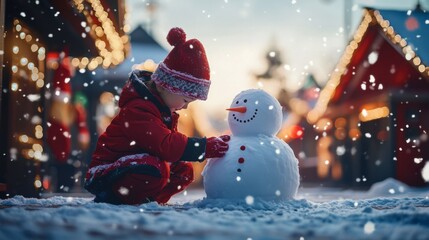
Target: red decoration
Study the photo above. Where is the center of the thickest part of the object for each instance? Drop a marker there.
(411, 24)
(241, 160)
(60, 115)
(242, 148)
(63, 113)
(84, 137)
(295, 131)
(59, 140)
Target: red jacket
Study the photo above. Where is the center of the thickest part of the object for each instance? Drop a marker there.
(145, 124)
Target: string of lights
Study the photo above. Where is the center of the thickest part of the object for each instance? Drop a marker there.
(112, 47)
(371, 17)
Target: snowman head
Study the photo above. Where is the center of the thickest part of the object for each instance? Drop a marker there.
(253, 112)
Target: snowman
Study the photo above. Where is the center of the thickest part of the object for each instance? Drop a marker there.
(258, 165)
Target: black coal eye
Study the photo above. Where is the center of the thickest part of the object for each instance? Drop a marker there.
(236, 102)
(245, 100)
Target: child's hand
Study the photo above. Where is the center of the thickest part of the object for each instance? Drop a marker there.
(217, 146)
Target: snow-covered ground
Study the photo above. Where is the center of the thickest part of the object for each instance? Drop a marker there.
(389, 210)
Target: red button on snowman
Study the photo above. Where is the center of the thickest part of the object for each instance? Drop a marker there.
(257, 164)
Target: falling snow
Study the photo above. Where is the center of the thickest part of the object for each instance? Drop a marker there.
(388, 210)
(425, 172)
(372, 57)
(369, 227)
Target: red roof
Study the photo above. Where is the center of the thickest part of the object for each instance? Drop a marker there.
(374, 63)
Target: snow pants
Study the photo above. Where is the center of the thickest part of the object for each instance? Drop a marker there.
(138, 179)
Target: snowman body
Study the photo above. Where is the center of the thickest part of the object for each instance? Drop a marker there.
(257, 164)
(260, 166)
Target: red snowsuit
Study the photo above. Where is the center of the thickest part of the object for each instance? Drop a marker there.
(140, 157)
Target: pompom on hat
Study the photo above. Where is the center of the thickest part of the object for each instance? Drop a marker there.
(185, 70)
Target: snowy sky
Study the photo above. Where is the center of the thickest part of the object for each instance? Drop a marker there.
(237, 35)
(311, 36)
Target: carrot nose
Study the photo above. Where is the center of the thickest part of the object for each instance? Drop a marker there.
(238, 109)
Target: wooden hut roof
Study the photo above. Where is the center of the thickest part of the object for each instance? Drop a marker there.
(389, 51)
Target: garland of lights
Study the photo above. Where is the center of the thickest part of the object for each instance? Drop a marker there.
(37, 76)
(407, 50)
(370, 16)
(107, 57)
(104, 35)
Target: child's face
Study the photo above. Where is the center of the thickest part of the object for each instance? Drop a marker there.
(175, 102)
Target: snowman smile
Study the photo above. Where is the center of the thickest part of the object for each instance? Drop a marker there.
(240, 109)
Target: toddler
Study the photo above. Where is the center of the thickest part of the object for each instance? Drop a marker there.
(141, 157)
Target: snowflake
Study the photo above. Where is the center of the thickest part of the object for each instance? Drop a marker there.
(249, 200)
(369, 227)
(425, 172)
(123, 191)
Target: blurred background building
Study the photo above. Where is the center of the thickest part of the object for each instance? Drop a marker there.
(43, 121)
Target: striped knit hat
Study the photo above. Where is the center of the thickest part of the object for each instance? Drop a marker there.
(185, 70)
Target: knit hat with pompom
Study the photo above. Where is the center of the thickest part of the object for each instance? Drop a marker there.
(185, 70)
